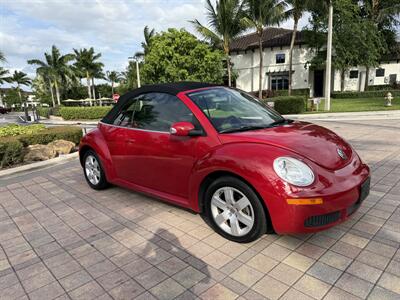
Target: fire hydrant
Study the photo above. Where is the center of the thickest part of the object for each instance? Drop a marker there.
(389, 99)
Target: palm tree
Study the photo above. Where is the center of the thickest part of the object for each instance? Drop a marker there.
(298, 8)
(259, 14)
(4, 76)
(20, 78)
(2, 57)
(87, 64)
(96, 72)
(113, 77)
(56, 67)
(225, 24)
(148, 34)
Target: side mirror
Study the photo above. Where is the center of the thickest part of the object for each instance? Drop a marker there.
(184, 129)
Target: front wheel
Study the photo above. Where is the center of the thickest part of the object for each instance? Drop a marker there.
(93, 171)
(234, 210)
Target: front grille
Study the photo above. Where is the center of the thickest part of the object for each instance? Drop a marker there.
(322, 220)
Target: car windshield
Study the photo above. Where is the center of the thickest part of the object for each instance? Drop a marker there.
(231, 110)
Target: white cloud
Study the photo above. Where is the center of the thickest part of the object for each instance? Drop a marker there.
(28, 28)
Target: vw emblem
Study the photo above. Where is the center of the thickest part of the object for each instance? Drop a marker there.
(341, 154)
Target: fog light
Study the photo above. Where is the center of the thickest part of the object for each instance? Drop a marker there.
(305, 201)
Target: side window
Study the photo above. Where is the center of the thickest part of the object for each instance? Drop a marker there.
(125, 116)
(158, 111)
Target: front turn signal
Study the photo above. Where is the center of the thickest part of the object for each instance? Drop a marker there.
(305, 201)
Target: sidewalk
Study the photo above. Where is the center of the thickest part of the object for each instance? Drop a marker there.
(348, 116)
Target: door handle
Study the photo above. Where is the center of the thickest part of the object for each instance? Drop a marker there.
(130, 141)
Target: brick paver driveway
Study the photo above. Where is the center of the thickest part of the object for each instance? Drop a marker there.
(60, 239)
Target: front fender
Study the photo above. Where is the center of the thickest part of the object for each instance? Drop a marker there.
(95, 140)
(250, 161)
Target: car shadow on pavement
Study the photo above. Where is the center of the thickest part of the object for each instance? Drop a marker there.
(185, 270)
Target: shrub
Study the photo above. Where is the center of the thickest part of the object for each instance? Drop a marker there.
(84, 113)
(14, 129)
(290, 104)
(43, 111)
(68, 133)
(280, 93)
(11, 151)
(385, 87)
(366, 94)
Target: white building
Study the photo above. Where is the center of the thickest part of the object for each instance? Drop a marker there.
(276, 42)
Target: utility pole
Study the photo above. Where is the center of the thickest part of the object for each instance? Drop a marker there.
(329, 60)
(137, 70)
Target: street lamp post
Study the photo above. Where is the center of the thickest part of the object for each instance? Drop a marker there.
(137, 69)
(329, 60)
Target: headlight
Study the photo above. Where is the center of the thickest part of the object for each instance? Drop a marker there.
(293, 171)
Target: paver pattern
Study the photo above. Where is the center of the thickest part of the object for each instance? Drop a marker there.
(61, 240)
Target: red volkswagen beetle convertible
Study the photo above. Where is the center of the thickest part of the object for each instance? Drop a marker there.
(220, 152)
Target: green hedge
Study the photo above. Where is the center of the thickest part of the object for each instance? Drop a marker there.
(290, 104)
(11, 151)
(43, 111)
(383, 87)
(14, 129)
(84, 113)
(12, 147)
(366, 94)
(296, 92)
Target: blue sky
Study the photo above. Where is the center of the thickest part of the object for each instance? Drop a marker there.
(28, 28)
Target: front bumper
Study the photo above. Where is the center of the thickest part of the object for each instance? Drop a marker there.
(335, 209)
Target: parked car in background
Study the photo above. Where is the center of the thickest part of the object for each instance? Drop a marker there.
(220, 152)
(4, 110)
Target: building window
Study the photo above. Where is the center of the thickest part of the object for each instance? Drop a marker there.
(353, 74)
(280, 58)
(380, 72)
(279, 82)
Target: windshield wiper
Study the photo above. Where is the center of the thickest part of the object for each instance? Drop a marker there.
(243, 128)
(281, 121)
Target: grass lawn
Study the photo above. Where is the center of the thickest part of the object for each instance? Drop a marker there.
(358, 104)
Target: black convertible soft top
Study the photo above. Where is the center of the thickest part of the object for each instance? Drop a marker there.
(169, 88)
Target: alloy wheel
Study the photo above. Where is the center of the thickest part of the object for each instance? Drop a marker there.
(92, 169)
(232, 211)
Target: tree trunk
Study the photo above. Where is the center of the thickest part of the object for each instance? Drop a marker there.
(88, 85)
(52, 94)
(296, 21)
(112, 88)
(25, 103)
(366, 79)
(228, 66)
(342, 72)
(93, 91)
(260, 74)
(57, 93)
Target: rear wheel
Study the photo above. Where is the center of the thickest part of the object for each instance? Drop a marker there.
(93, 171)
(234, 210)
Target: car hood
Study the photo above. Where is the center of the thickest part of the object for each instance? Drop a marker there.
(311, 141)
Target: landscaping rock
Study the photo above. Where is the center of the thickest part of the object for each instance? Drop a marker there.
(62, 146)
(39, 152)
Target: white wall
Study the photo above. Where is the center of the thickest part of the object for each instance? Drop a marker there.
(246, 64)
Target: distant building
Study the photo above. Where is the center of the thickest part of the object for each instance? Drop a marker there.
(31, 98)
(276, 44)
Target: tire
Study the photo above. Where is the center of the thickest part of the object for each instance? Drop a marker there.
(242, 220)
(93, 171)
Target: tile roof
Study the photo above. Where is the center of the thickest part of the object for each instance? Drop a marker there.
(272, 37)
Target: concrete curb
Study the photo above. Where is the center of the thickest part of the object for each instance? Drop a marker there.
(39, 165)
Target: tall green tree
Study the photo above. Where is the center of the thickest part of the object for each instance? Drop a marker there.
(385, 16)
(56, 67)
(4, 74)
(21, 78)
(88, 66)
(113, 77)
(224, 24)
(177, 55)
(259, 14)
(296, 11)
(148, 34)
